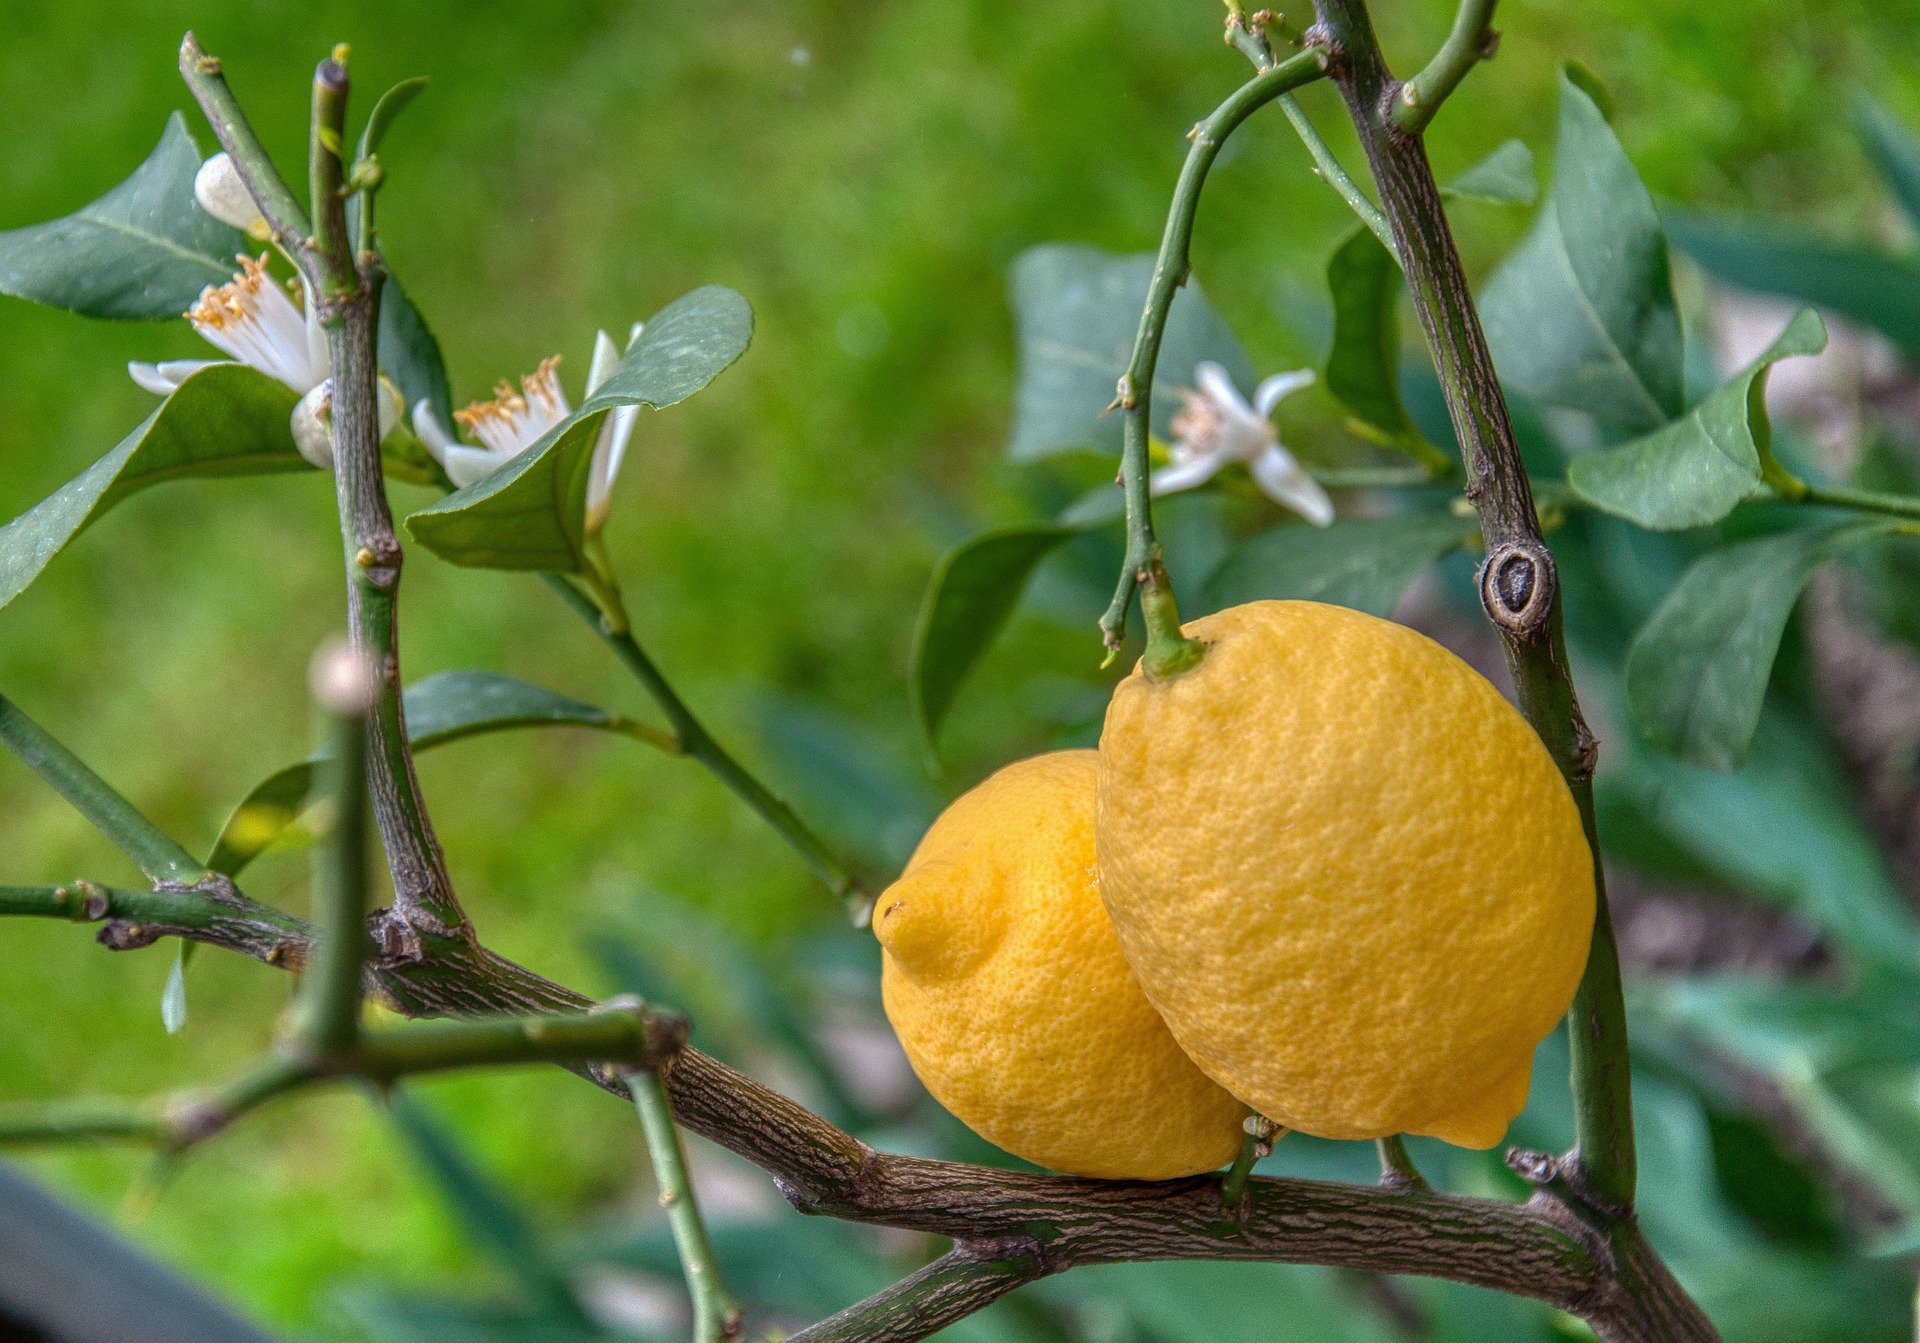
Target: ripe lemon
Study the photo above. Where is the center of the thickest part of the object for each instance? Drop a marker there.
(1346, 871)
(1008, 991)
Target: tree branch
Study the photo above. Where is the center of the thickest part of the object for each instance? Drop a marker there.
(1518, 582)
(278, 205)
(716, 1316)
(969, 1277)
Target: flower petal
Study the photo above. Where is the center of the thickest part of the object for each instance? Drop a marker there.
(609, 450)
(1272, 390)
(1287, 483)
(149, 378)
(1213, 380)
(465, 465)
(1186, 473)
(427, 429)
(606, 358)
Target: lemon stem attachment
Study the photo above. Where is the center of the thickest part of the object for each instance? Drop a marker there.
(1169, 652)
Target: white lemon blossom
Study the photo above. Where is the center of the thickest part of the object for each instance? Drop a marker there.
(1216, 426)
(513, 421)
(251, 320)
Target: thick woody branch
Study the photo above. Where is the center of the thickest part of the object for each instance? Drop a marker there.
(970, 1277)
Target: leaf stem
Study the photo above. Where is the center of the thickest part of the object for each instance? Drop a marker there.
(152, 849)
(1470, 41)
(1143, 563)
(1866, 501)
(1329, 169)
(716, 1316)
(692, 739)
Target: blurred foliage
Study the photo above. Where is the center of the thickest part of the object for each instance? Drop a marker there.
(865, 175)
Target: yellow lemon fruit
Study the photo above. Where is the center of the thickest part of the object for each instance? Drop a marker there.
(1003, 980)
(1346, 871)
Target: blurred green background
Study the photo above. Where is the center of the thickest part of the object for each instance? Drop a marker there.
(863, 173)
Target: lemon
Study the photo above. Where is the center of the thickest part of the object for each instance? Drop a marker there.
(1006, 986)
(1346, 871)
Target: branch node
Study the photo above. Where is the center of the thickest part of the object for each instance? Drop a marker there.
(1517, 586)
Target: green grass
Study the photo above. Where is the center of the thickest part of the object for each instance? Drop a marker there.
(578, 165)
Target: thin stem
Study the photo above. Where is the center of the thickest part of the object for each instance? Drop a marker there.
(1330, 172)
(326, 175)
(1471, 41)
(1519, 581)
(629, 1039)
(1233, 1185)
(1396, 1166)
(329, 1012)
(1867, 501)
(692, 739)
(716, 1315)
(278, 205)
(1167, 647)
(154, 851)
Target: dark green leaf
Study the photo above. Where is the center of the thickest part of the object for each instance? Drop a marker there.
(1365, 563)
(145, 249)
(1697, 671)
(384, 1316)
(974, 590)
(1692, 472)
(1363, 367)
(442, 708)
(1581, 314)
(1505, 176)
(1078, 310)
(392, 103)
(225, 420)
(411, 356)
(1872, 287)
(530, 514)
(1894, 151)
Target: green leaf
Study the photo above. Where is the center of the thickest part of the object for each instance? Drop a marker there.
(531, 513)
(445, 707)
(1692, 472)
(1505, 176)
(1870, 286)
(411, 356)
(974, 590)
(145, 249)
(392, 103)
(1078, 310)
(225, 420)
(1363, 367)
(1894, 151)
(1581, 313)
(1697, 671)
(1365, 563)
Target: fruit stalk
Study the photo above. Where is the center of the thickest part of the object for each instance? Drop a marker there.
(1168, 651)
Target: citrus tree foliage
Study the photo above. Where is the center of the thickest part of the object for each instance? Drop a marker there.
(1683, 526)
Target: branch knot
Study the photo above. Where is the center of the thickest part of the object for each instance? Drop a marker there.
(1518, 582)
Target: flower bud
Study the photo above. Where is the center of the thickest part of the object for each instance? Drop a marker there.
(221, 193)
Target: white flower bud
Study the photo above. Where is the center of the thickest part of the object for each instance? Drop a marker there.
(312, 425)
(221, 193)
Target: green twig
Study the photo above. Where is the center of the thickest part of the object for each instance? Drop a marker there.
(691, 738)
(331, 248)
(1471, 41)
(1168, 651)
(152, 849)
(278, 205)
(716, 1316)
(1866, 501)
(1329, 170)
(329, 1009)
